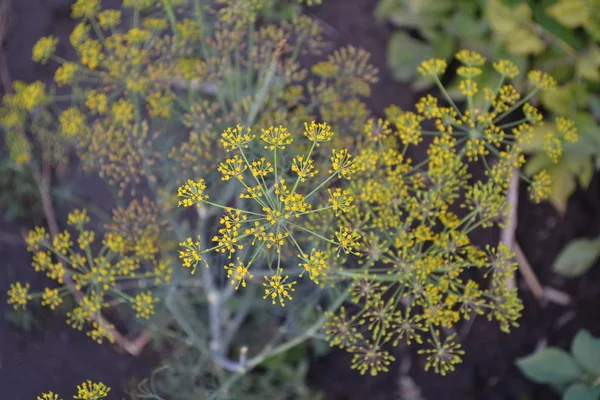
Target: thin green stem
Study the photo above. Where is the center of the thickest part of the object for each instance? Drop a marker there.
(445, 94)
(269, 351)
(516, 105)
(229, 208)
(321, 185)
(313, 233)
(168, 7)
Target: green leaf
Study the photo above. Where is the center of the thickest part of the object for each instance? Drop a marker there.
(405, 54)
(524, 41)
(586, 350)
(414, 15)
(563, 184)
(595, 106)
(588, 65)
(558, 100)
(552, 26)
(385, 8)
(550, 366)
(589, 137)
(577, 257)
(579, 391)
(536, 163)
(570, 13)
(586, 173)
(505, 20)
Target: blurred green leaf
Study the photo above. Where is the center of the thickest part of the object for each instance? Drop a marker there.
(413, 14)
(594, 103)
(563, 184)
(550, 366)
(524, 41)
(554, 27)
(514, 26)
(585, 173)
(505, 20)
(570, 13)
(405, 54)
(579, 391)
(536, 163)
(588, 65)
(586, 350)
(555, 100)
(577, 257)
(589, 136)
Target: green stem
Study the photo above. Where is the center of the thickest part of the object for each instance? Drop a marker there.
(516, 105)
(168, 7)
(446, 95)
(269, 351)
(321, 185)
(261, 95)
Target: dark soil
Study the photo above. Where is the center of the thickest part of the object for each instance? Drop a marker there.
(52, 356)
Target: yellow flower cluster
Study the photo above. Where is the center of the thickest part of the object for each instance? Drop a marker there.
(415, 252)
(129, 253)
(91, 391)
(44, 48)
(143, 304)
(18, 295)
(303, 199)
(281, 209)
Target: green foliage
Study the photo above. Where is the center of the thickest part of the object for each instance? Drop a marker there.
(550, 366)
(558, 36)
(580, 391)
(190, 375)
(575, 375)
(576, 166)
(577, 257)
(19, 193)
(586, 351)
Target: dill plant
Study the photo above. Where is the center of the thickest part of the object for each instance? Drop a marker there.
(212, 117)
(88, 390)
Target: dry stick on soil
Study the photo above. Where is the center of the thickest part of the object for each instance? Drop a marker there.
(527, 272)
(507, 236)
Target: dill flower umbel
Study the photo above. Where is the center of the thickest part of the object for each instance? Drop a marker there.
(51, 298)
(279, 209)
(415, 282)
(71, 121)
(143, 304)
(44, 48)
(433, 67)
(48, 396)
(91, 391)
(18, 295)
(96, 274)
(65, 73)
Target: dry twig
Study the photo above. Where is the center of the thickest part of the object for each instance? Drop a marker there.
(527, 272)
(507, 236)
